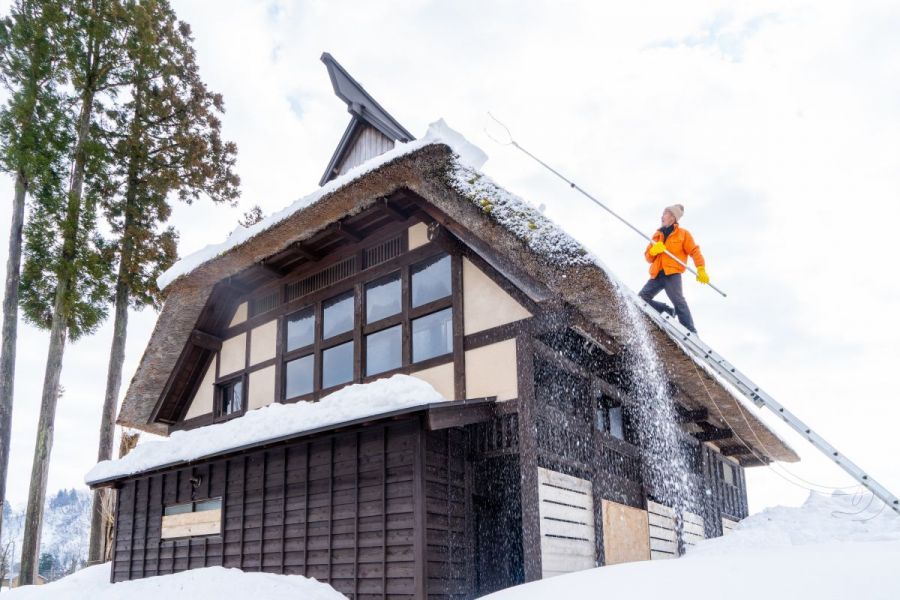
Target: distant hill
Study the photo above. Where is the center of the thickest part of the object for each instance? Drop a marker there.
(64, 539)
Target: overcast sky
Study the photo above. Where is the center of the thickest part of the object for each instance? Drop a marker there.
(777, 126)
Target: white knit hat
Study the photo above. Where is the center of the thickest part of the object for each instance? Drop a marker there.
(677, 211)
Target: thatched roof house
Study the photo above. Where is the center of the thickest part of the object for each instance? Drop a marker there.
(519, 459)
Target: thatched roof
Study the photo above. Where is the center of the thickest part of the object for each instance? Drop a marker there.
(523, 243)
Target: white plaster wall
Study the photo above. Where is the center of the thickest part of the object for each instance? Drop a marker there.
(486, 304)
(262, 342)
(232, 354)
(440, 378)
(262, 388)
(202, 403)
(418, 235)
(240, 315)
(491, 371)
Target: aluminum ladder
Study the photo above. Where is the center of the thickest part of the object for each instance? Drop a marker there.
(703, 353)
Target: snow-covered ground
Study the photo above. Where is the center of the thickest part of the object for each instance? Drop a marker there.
(843, 547)
(213, 582)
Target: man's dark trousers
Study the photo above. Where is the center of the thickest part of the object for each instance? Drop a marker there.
(672, 285)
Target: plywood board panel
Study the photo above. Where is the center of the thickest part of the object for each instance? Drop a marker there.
(207, 522)
(625, 533)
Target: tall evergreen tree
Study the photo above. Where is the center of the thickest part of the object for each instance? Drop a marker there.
(65, 275)
(165, 142)
(30, 145)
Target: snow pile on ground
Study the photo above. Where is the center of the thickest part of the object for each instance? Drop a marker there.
(832, 547)
(212, 582)
(438, 133)
(272, 422)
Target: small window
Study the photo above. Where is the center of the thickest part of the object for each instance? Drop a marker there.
(616, 422)
(728, 473)
(337, 365)
(383, 298)
(301, 328)
(610, 417)
(432, 335)
(231, 398)
(298, 377)
(337, 315)
(192, 519)
(383, 350)
(431, 281)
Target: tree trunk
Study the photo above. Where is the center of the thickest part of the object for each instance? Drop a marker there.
(10, 317)
(110, 402)
(120, 333)
(40, 467)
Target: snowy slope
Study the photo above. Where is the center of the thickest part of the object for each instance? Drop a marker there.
(213, 582)
(845, 547)
(66, 526)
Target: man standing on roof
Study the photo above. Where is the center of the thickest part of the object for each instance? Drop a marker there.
(665, 272)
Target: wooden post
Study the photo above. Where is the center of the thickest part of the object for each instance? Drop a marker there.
(528, 460)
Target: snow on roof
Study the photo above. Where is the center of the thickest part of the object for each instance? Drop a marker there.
(438, 133)
(542, 235)
(93, 583)
(832, 547)
(270, 423)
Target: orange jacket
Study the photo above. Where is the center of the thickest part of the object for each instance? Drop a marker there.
(680, 243)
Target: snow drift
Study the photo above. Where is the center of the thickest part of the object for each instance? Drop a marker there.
(839, 547)
(212, 582)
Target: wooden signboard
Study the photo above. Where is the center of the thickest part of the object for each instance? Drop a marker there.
(206, 522)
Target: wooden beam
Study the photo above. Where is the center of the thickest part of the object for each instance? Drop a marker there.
(237, 285)
(347, 232)
(392, 211)
(713, 434)
(304, 251)
(691, 416)
(735, 450)
(461, 413)
(270, 272)
(206, 340)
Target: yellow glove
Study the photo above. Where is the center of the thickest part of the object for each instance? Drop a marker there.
(657, 248)
(702, 277)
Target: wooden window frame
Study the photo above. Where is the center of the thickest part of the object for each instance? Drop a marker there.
(402, 265)
(241, 376)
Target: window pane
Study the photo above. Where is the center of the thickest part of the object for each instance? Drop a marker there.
(177, 509)
(383, 350)
(337, 365)
(337, 315)
(211, 504)
(431, 281)
(298, 377)
(432, 335)
(301, 327)
(232, 397)
(383, 298)
(616, 424)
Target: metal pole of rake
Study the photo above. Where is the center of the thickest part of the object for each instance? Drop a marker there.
(576, 187)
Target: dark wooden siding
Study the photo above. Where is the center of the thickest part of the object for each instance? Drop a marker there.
(339, 508)
(447, 506)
